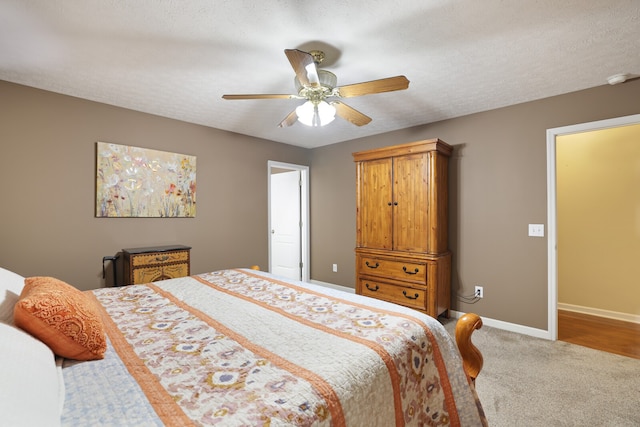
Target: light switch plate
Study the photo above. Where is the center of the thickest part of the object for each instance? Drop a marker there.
(536, 230)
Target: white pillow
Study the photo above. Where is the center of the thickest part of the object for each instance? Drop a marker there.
(11, 285)
(30, 387)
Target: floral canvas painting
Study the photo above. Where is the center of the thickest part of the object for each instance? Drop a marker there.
(139, 182)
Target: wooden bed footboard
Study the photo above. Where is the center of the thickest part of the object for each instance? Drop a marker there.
(471, 357)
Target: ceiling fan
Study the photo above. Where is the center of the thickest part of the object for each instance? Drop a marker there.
(319, 88)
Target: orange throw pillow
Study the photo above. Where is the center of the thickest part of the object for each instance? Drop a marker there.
(62, 317)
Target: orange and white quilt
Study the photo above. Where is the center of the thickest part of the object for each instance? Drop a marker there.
(244, 348)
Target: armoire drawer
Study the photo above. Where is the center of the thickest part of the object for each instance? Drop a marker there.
(396, 293)
(398, 269)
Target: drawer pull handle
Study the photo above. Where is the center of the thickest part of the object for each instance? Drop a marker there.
(370, 288)
(162, 258)
(408, 272)
(372, 266)
(409, 296)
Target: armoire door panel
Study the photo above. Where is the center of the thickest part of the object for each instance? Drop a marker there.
(411, 214)
(375, 208)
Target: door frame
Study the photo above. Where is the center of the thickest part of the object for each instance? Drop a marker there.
(552, 239)
(304, 212)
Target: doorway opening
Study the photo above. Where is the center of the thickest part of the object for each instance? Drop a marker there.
(552, 241)
(288, 220)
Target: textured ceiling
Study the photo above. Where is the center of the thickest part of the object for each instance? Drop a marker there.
(176, 58)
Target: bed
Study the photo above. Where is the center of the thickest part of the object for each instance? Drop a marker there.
(236, 347)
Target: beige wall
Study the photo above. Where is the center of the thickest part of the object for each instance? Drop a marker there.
(47, 167)
(598, 210)
(497, 187)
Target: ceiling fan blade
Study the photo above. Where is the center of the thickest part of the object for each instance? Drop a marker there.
(260, 96)
(304, 66)
(375, 86)
(350, 114)
(289, 120)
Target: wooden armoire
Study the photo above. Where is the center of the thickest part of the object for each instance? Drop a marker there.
(402, 250)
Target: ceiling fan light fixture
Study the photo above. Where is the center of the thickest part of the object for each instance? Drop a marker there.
(326, 79)
(316, 114)
(316, 86)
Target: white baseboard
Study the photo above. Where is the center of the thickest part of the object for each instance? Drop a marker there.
(625, 317)
(512, 327)
(332, 286)
(499, 324)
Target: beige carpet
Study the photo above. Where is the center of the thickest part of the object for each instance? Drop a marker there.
(529, 381)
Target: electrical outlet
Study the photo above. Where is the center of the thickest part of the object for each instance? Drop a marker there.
(479, 292)
(335, 268)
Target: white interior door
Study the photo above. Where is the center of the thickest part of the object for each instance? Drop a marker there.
(285, 214)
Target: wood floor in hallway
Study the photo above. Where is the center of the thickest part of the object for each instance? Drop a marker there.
(600, 333)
